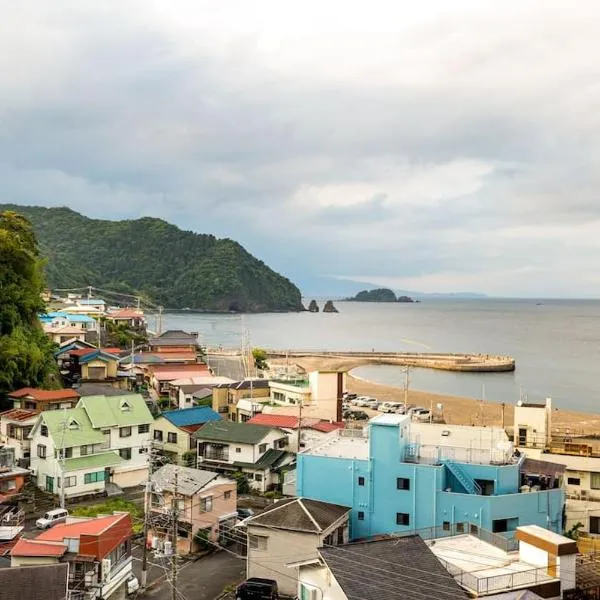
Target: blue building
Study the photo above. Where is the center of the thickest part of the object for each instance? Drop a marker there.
(400, 476)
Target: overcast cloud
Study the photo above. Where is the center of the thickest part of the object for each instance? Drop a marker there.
(435, 146)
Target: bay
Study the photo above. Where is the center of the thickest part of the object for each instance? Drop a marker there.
(556, 343)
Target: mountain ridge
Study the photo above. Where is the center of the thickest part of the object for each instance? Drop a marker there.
(154, 258)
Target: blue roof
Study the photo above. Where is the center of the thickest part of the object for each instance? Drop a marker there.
(69, 316)
(191, 416)
(88, 301)
(97, 355)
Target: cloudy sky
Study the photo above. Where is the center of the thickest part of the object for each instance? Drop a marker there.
(436, 146)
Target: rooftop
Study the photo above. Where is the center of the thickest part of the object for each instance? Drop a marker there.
(40, 582)
(191, 416)
(44, 395)
(18, 414)
(300, 514)
(200, 380)
(71, 427)
(116, 411)
(171, 372)
(94, 526)
(380, 569)
(228, 431)
(351, 443)
(93, 461)
(189, 481)
(291, 422)
(35, 547)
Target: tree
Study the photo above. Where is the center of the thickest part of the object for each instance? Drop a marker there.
(26, 354)
(260, 359)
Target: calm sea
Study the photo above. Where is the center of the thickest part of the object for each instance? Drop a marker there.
(556, 343)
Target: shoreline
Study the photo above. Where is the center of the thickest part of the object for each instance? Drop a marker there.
(457, 410)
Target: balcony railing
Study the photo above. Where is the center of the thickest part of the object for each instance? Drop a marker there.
(215, 455)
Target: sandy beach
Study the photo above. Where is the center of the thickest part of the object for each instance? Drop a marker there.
(456, 410)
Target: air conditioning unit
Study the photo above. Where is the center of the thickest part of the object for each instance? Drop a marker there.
(106, 565)
(168, 548)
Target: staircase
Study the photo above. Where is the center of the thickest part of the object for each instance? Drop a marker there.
(465, 480)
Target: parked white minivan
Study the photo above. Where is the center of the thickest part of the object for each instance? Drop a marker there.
(389, 407)
(52, 517)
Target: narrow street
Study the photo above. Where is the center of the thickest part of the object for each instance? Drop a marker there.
(203, 579)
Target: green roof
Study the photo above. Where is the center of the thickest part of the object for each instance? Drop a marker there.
(116, 411)
(271, 459)
(93, 461)
(228, 431)
(70, 427)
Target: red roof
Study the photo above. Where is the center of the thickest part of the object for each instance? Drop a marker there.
(191, 428)
(326, 426)
(38, 548)
(84, 351)
(285, 421)
(48, 395)
(74, 530)
(18, 414)
(125, 313)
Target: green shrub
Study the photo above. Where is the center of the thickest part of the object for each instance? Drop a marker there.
(113, 505)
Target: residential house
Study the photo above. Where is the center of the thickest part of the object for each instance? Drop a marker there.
(179, 357)
(312, 431)
(159, 377)
(131, 317)
(181, 390)
(174, 339)
(402, 476)
(173, 432)
(97, 550)
(103, 440)
(12, 477)
(580, 455)
(57, 320)
(206, 504)
(98, 365)
(257, 451)
(403, 568)
(240, 400)
(60, 335)
(38, 400)
(42, 582)
(299, 523)
(319, 393)
(15, 426)
(63, 354)
(540, 561)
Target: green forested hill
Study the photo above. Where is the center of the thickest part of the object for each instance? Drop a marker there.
(172, 267)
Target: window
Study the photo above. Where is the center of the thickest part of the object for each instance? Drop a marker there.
(143, 450)
(158, 435)
(70, 481)
(258, 542)
(226, 495)
(258, 477)
(278, 397)
(402, 519)
(41, 451)
(171, 438)
(460, 528)
(94, 477)
(486, 485)
(446, 525)
(44, 430)
(595, 525)
(206, 504)
(595, 481)
(144, 428)
(402, 483)
(125, 453)
(573, 481)
(361, 481)
(85, 450)
(282, 443)
(124, 431)
(238, 450)
(65, 453)
(361, 515)
(262, 448)
(503, 525)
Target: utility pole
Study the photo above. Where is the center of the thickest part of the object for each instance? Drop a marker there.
(406, 374)
(147, 504)
(174, 542)
(300, 424)
(62, 457)
(159, 328)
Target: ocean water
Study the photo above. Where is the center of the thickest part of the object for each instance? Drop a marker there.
(556, 343)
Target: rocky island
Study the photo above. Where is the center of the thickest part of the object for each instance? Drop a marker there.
(379, 295)
(313, 306)
(329, 307)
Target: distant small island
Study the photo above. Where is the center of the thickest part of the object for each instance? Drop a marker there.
(379, 295)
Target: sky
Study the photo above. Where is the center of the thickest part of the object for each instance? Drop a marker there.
(434, 146)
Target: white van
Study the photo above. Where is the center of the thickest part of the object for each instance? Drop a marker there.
(390, 407)
(56, 515)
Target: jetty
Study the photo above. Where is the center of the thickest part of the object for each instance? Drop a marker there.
(471, 363)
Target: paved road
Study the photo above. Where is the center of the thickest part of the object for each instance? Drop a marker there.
(203, 579)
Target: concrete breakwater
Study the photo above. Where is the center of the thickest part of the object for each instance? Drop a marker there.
(475, 363)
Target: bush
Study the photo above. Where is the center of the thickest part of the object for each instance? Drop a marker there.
(189, 458)
(113, 505)
(273, 495)
(202, 539)
(243, 486)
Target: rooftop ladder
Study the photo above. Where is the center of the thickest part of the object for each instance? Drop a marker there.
(465, 480)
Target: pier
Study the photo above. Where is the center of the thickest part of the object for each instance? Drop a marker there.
(472, 363)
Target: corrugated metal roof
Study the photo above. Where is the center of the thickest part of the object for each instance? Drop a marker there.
(191, 416)
(116, 411)
(189, 481)
(93, 461)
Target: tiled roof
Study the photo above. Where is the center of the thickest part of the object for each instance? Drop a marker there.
(228, 431)
(38, 547)
(99, 355)
(116, 411)
(93, 461)
(88, 527)
(35, 582)
(69, 329)
(371, 570)
(18, 414)
(326, 426)
(44, 395)
(71, 427)
(189, 481)
(285, 421)
(84, 351)
(300, 514)
(125, 313)
(168, 372)
(191, 416)
(246, 384)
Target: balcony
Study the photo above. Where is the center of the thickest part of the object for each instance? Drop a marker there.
(217, 455)
(437, 455)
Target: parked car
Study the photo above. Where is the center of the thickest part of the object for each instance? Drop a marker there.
(390, 407)
(257, 588)
(52, 517)
(346, 405)
(133, 585)
(244, 513)
(355, 415)
(357, 401)
(372, 403)
(348, 396)
(364, 401)
(420, 414)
